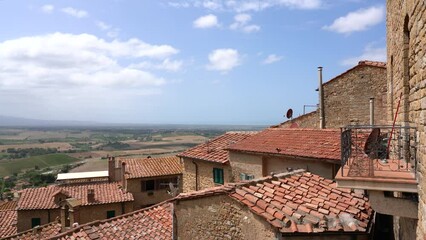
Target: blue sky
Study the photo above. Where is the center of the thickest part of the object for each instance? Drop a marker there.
(168, 61)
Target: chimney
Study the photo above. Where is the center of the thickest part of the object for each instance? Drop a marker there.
(90, 195)
(321, 99)
(111, 169)
(371, 110)
(123, 177)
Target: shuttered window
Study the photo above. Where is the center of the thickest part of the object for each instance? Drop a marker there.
(218, 175)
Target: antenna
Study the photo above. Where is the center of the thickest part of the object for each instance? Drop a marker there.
(289, 113)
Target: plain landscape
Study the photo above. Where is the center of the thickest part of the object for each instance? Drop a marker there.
(34, 155)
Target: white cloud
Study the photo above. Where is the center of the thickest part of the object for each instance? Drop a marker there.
(65, 61)
(206, 21)
(359, 20)
(272, 58)
(370, 53)
(102, 25)
(166, 64)
(247, 5)
(241, 23)
(75, 12)
(47, 8)
(111, 32)
(224, 59)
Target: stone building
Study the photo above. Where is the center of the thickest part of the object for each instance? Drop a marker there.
(347, 98)
(277, 150)
(149, 179)
(77, 203)
(297, 205)
(406, 52)
(396, 184)
(207, 165)
(150, 223)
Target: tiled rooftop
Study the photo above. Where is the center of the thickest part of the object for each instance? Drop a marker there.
(41, 232)
(214, 150)
(152, 167)
(306, 203)
(9, 205)
(150, 223)
(43, 197)
(310, 143)
(8, 219)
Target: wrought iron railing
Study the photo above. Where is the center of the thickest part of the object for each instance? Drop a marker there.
(368, 149)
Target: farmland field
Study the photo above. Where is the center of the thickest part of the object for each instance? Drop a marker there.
(9, 167)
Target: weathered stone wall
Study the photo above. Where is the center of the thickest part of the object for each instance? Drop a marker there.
(205, 174)
(322, 236)
(406, 47)
(262, 165)
(245, 163)
(91, 213)
(319, 167)
(82, 214)
(25, 216)
(308, 120)
(347, 97)
(143, 199)
(219, 217)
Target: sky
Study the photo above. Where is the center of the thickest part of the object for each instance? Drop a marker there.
(179, 61)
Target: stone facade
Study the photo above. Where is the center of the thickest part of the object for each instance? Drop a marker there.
(147, 198)
(263, 165)
(347, 99)
(219, 217)
(205, 174)
(83, 214)
(406, 41)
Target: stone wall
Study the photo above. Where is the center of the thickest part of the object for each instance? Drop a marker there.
(245, 163)
(263, 165)
(205, 174)
(406, 47)
(143, 199)
(82, 214)
(219, 217)
(347, 97)
(25, 216)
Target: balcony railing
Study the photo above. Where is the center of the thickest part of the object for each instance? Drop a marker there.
(374, 151)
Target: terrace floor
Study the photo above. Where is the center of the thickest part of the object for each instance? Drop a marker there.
(361, 172)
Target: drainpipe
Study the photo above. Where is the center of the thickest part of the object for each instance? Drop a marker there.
(321, 99)
(196, 175)
(371, 111)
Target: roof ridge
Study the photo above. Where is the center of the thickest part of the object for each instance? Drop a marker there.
(271, 178)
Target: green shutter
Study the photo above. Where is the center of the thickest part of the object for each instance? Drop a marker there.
(35, 222)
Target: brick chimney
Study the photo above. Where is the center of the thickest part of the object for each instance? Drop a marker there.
(111, 169)
(90, 195)
(123, 177)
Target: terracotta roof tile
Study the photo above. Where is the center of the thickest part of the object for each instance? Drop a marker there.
(7, 206)
(149, 223)
(41, 232)
(8, 220)
(152, 167)
(306, 211)
(214, 150)
(311, 143)
(43, 197)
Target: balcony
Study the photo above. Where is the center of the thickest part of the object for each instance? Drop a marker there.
(379, 158)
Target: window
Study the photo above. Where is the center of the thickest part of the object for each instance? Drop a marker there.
(245, 176)
(148, 185)
(110, 214)
(158, 184)
(218, 175)
(35, 222)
